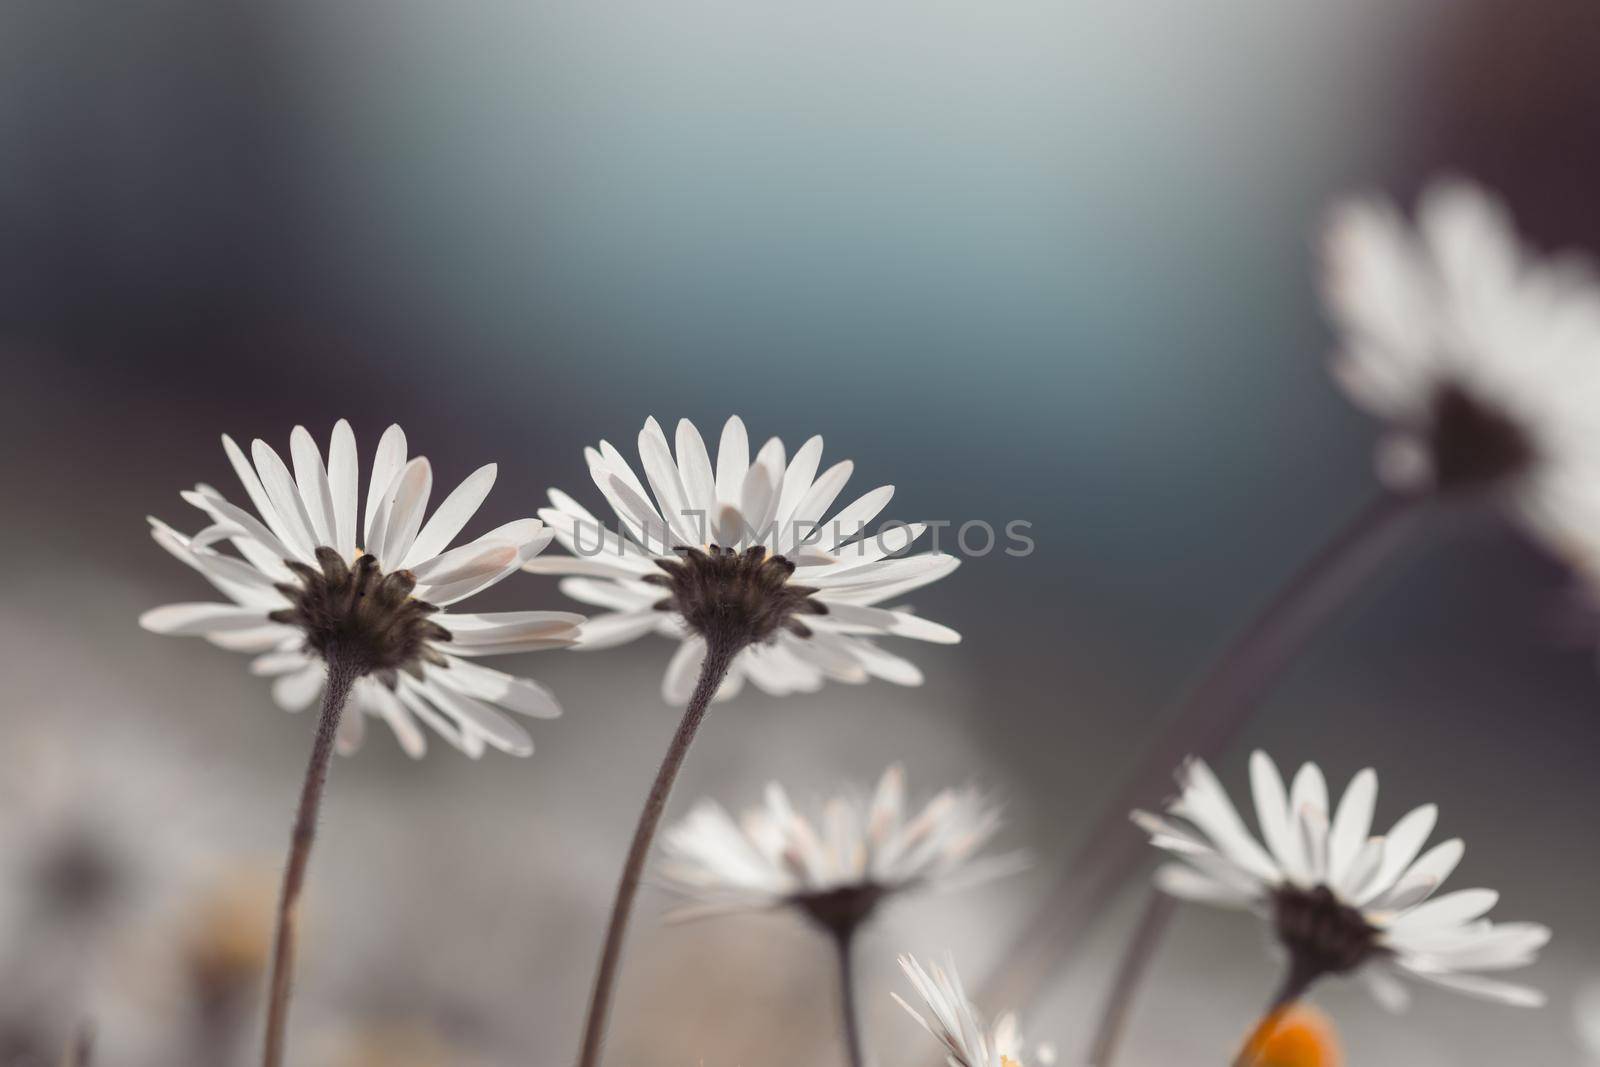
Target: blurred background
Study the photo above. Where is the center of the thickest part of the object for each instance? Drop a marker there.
(1039, 261)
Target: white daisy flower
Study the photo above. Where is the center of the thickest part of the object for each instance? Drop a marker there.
(838, 867)
(1478, 353)
(745, 555)
(967, 1041)
(1341, 901)
(309, 579)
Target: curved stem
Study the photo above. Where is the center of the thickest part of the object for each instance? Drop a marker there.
(1136, 960)
(1202, 726)
(341, 676)
(719, 655)
(850, 1009)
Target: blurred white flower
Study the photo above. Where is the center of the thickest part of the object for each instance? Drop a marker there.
(222, 947)
(1478, 353)
(96, 829)
(1586, 1018)
(968, 1042)
(837, 868)
(1340, 900)
(100, 834)
(752, 533)
(307, 576)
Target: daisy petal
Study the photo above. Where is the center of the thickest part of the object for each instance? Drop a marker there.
(311, 480)
(344, 484)
(386, 467)
(449, 517)
(188, 620)
(733, 461)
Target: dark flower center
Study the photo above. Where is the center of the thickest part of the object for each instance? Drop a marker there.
(1473, 444)
(735, 598)
(1323, 935)
(360, 616)
(841, 910)
(78, 876)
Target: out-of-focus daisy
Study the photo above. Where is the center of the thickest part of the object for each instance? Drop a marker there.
(1340, 900)
(1482, 360)
(311, 582)
(1297, 1036)
(1586, 1018)
(1478, 353)
(99, 833)
(957, 1024)
(835, 868)
(190, 975)
(223, 951)
(743, 553)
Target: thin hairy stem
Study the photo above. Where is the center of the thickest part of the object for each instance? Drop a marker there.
(1136, 960)
(719, 655)
(1202, 725)
(849, 1006)
(342, 674)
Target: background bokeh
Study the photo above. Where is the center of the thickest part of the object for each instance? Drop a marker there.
(1039, 261)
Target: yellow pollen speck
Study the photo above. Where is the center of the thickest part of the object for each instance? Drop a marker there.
(1303, 1037)
(1007, 1061)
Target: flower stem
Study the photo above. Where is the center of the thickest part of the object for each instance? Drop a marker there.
(850, 1009)
(719, 656)
(1202, 725)
(1295, 985)
(342, 674)
(1136, 959)
(80, 1049)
